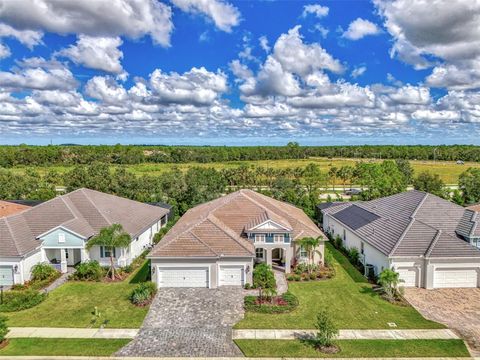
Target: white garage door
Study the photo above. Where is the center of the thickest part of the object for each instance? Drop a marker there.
(455, 278)
(183, 277)
(409, 276)
(6, 275)
(231, 275)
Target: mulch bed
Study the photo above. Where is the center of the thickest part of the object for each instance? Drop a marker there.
(277, 300)
(332, 349)
(3, 344)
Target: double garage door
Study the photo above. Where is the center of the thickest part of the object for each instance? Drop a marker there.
(199, 277)
(455, 278)
(6, 275)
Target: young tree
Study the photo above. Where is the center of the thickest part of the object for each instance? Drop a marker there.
(110, 238)
(332, 174)
(3, 328)
(389, 280)
(326, 330)
(431, 183)
(345, 173)
(263, 278)
(469, 183)
(310, 244)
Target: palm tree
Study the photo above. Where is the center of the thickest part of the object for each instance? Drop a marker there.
(310, 244)
(111, 237)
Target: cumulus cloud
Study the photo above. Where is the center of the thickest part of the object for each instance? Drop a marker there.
(360, 28)
(4, 51)
(451, 36)
(224, 15)
(132, 18)
(315, 9)
(264, 43)
(99, 53)
(28, 38)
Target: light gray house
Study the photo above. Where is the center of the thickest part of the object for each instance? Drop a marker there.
(217, 243)
(57, 230)
(429, 241)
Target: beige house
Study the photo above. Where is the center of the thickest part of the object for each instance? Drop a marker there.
(218, 243)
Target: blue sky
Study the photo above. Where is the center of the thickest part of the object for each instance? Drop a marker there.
(239, 72)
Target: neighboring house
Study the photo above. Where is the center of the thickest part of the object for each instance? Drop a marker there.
(57, 230)
(217, 243)
(426, 239)
(9, 208)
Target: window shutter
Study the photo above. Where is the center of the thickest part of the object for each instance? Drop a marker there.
(114, 252)
(101, 251)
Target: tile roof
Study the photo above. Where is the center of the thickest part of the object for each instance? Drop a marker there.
(412, 223)
(82, 211)
(217, 228)
(8, 208)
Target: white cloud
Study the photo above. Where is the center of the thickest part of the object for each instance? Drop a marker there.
(451, 35)
(264, 43)
(358, 71)
(360, 28)
(105, 89)
(197, 86)
(28, 38)
(99, 53)
(315, 9)
(223, 14)
(322, 30)
(240, 70)
(436, 116)
(4, 51)
(132, 18)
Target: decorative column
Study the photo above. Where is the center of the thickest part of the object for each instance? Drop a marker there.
(288, 258)
(84, 255)
(63, 261)
(268, 254)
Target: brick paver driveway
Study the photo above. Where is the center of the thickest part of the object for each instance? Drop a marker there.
(189, 322)
(457, 308)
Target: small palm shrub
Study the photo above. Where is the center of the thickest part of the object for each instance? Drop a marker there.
(353, 255)
(143, 293)
(3, 328)
(21, 300)
(88, 271)
(42, 272)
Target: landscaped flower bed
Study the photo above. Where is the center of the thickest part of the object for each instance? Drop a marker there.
(271, 305)
(303, 272)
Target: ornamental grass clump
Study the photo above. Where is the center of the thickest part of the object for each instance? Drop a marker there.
(143, 293)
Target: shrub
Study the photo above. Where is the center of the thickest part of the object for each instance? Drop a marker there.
(88, 271)
(313, 276)
(21, 300)
(263, 278)
(328, 258)
(389, 280)
(291, 277)
(143, 293)
(338, 242)
(353, 255)
(3, 328)
(297, 278)
(247, 286)
(326, 330)
(42, 272)
(290, 302)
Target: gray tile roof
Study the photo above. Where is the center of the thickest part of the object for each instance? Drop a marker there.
(412, 223)
(469, 224)
(83, 211)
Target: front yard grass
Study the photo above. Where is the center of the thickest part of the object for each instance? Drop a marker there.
(356, 348)
(352, 305)
(73, 305)
(62, 347)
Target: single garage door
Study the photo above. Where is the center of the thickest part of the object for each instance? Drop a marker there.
(231, 275)
(409, 276)
(6, 275)
(183, 277)
(455, 278)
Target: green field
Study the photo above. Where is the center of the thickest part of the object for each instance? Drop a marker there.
(355, 348)
(62, 347)
(448, 170)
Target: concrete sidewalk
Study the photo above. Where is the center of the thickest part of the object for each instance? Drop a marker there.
(347, 334)
(71, 333)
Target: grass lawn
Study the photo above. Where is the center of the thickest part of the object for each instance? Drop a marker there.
(350, 300)
(62, 347)
(73, 304)
(448, 170)
(356, 348)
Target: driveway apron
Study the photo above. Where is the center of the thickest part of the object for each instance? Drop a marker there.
(189, 322)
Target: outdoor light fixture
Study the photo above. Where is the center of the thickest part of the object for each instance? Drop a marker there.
(15, 269)
(247, 269)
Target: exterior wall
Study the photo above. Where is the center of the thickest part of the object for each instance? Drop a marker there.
(18, 275)
(372, 255)
(212, 264)
(317, 258)
(417, 263)
(24, 265)
(51, 240)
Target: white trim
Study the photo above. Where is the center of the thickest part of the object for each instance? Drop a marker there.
(64, 228)
(267, 221)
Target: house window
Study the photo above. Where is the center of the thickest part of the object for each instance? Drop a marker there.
(106, 252)
(362, 248)
(259, 253)
(303, 252)
(278, 238)
(344, 235)
(61, 237)
(260, 238)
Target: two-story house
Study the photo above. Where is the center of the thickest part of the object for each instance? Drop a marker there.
(217, 243)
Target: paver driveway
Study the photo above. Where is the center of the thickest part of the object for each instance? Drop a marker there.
(189, 322)
(457, 308)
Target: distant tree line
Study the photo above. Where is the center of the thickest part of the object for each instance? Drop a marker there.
(11, 156)
(184, 189)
